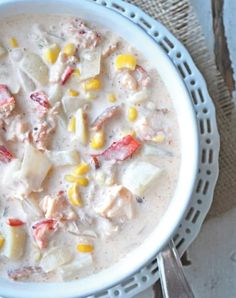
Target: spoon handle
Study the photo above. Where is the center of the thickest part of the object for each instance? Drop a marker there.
(173, 282)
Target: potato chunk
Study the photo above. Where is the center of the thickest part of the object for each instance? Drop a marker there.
(35, 68)
(56, 257)
(139, 176)
(34, 168)
(15, 239)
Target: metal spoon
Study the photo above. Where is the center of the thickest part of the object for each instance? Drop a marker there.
(173, 282)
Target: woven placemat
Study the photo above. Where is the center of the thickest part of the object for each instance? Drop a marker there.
(180, 18)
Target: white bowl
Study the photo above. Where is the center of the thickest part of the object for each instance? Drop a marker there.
(189, 150)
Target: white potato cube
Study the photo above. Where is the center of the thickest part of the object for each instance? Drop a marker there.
(34, 168)
(72, 104)
(33, 65)
(15, 239)
(71, 271)
(55, 258)
(139, 176)
(27, 84)
(90, 64)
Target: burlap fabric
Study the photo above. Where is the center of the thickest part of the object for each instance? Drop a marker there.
(179, 17)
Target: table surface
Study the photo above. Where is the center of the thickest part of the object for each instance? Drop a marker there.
(212, 255)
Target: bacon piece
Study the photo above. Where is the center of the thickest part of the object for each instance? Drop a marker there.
(66, 74)
(107, 114)
(119, 150)
(7, 101)
(14, 222)
(23, 273)
(5, 155)
(41, 98)
(41, 231)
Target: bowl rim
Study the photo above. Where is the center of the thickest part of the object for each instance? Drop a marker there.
(105, 278)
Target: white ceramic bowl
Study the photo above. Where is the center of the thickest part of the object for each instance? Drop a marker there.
(189, 149)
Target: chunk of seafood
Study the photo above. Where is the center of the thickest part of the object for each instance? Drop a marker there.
(5, 155)
(107, 114)
(116, 203)
(57, 207)
(7, 101)
(42, 231)
(85, 37)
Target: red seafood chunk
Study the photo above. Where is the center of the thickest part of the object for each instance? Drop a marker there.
(5, 155)
(7, 101)
(66, 75)
(41, 231)
(119, 150)
(41, 98)
(14, 222)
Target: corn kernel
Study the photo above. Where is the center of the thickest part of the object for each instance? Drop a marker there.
(70, 178)
(51, 53)
(73, 196)
(2, 241)
(159, 138)
(82, 169)
(69, 49)
(76, 72)
(13, 42)
(72, 125)
(73, 92)
(98, 140)
(82, 181)
(132, 114)
(125, 61)
(92, 84)
(85, 248)
(111, 97)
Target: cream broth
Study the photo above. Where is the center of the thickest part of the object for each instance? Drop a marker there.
(73, 202)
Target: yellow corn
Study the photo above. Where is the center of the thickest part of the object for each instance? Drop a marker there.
(13, 42)
(82, 181)
(2, 241)
(92, 85)
(85, 248)
(73, 92)
(125, 61)
(159, 138)
(98, 140)
(82, 169)
(51, 53)
(111, 97)
(132, 114)
(69, 49)
(70, 178)
(72, 125)
(73, 195)
(76, 72)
